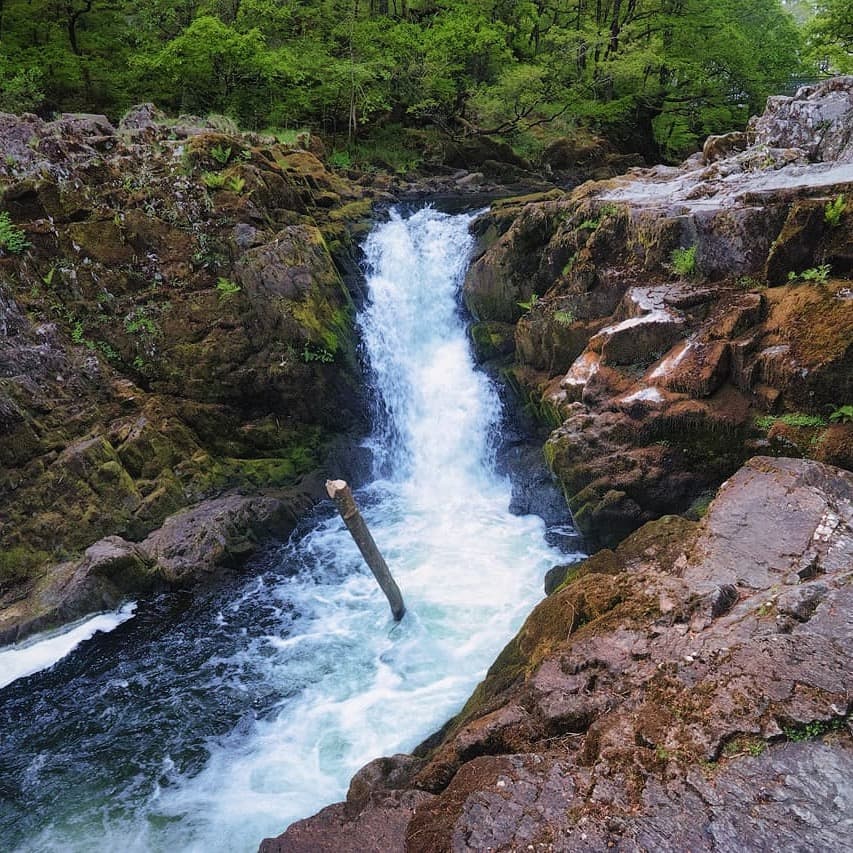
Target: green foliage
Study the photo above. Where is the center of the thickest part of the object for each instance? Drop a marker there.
(12, 239)
(683, 261)
(340, 159)
(564, 318)
(213, 180)
(589, 224)
(567, 268)
(526, 306)
(816, 274)
(139, 323)
(744, 746)
(226, 288)
(746, 282)
(814, 729)
(654, 77)
(829, 37)
(221, 154)
(21, 89)
(843, 414)
(321, 354)
(236, 184)
(834, 211)
(793, 419)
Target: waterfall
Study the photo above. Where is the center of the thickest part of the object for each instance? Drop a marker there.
(209, 729)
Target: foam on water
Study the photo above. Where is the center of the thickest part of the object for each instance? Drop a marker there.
(45, 650)
(468, 569)
(312, 676)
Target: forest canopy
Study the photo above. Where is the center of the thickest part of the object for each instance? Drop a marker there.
(654, 76)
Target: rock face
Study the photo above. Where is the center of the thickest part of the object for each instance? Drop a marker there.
(178, 329)
(688, 690)
(674, 321)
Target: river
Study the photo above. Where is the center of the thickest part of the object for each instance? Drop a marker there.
(208, 721)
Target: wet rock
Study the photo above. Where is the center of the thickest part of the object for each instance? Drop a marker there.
(637, 339)
(378, 828)
(700, 371)
(816, 119)
(107, 573)
(215, 535)
(641, 705)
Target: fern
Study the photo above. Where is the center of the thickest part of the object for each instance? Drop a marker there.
(834, 210)
(12, 239)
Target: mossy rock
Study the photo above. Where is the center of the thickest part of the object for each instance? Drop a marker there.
(492, 340)
(102, 241)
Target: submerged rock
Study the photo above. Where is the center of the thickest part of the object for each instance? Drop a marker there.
(689, 688)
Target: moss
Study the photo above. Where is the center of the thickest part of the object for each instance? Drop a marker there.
(301, 452)
(355, 210)
(520, 200)
(19, 564)
(492, 339)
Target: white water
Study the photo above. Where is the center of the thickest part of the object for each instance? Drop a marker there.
(45, 650)
(350, 684)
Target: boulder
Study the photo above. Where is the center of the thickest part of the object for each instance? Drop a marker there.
(215, 535)
(816, 119)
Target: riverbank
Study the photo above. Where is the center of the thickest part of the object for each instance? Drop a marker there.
(685, 685)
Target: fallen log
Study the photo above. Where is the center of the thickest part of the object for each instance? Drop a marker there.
(341, 494)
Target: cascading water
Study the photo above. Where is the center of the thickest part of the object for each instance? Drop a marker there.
(204, 725)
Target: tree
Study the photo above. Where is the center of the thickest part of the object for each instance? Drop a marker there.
(830, 36)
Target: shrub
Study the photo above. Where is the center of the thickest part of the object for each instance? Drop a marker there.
(842, 415)
(220, 154)
(12, 239)
(684, 261)
(341, 159)
(816, 274)
(226, 288)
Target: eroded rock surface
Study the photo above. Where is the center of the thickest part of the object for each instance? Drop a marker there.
(689, 690)
(178, 329)
(671, 322)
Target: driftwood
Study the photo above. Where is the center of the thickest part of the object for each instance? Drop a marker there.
(341, 494)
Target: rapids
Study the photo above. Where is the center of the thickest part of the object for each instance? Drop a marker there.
(207, 722)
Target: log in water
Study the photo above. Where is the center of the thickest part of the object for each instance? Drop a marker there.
(341, 494)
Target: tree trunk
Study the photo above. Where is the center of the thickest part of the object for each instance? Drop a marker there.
(341, 494)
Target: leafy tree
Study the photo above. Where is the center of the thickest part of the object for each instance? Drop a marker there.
(830, 36)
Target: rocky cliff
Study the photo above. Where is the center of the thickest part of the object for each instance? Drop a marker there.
(672, 322)
(175, 332)
(686, 687)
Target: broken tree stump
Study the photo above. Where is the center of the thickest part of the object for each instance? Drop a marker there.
(341, 494)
